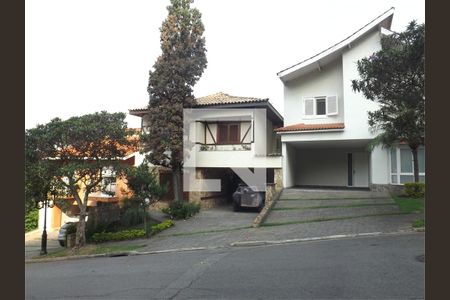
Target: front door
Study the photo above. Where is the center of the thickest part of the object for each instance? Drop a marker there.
(360, 169)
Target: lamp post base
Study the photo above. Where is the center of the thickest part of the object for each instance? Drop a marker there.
(44, 243)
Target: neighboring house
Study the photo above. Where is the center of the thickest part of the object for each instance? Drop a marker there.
(326, 134)
(113, 190)
(231, 132)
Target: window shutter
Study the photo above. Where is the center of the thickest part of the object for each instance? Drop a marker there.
(234, 133)
(309, 107)
(332, 105)
(222, 133)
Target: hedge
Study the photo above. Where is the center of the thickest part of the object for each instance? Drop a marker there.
(118, 236)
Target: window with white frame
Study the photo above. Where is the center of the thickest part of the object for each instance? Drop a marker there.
(402, 165)
(320, 106)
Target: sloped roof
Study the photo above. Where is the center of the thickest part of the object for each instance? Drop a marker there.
(382, 21)
(308, 127)
(222, 98)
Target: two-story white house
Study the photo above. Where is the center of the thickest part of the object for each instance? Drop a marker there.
(230, 135)
(326, 134)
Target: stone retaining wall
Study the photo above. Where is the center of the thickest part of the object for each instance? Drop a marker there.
(272, 195)
(392, 189)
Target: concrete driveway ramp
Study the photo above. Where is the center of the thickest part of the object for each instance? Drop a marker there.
(311, 205)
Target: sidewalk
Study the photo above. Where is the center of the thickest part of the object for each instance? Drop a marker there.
(33, 242)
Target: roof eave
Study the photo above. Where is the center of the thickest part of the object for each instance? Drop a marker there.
(382, 21)
(309, 131)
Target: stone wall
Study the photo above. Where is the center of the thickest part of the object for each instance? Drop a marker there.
(272, 194)
(392, 189)
(278, 178)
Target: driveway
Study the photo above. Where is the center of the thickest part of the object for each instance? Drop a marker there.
(299, 213)
(309, 205)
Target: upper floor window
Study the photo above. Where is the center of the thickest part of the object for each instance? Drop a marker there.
(320, 106)
(228, 133)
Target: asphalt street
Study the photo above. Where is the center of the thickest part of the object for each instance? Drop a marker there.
(381, 267)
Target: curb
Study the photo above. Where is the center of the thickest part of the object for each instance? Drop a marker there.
(322, 238)
(117, 254)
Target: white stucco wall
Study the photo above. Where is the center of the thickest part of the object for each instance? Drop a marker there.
(356, 105)
(379, 166)
(334, 78)
(288, 165)
(222, 156)
(326, 82)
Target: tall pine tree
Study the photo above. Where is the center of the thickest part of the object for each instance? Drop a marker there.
(170, 86)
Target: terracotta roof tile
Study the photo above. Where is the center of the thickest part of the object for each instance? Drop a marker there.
(214, 99)
(222, 98)
(304, 127)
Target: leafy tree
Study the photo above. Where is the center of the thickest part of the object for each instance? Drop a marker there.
(395, 78)
(145, 188)
(170, 86)
(74, 153)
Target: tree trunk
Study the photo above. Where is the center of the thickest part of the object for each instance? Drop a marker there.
(415, 164)
(177, 185)
(80, 239)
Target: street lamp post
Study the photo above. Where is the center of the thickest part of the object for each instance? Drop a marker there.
(44, 204)
(146, 203)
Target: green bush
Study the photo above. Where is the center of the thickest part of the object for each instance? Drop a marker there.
(181, 209)
(31, 220)
(415, 189)
(101, 237)
(72, 228)
(161, 226)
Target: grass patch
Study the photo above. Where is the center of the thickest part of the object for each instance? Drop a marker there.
(418, 223)
(328, 219)
(332, 206)
(410, 205)
(90, 249)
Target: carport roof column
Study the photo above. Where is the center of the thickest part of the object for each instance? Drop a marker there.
(287, 165)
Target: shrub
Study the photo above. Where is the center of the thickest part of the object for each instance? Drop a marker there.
(161, 226)
(31, 220)
(101, 237)
(72, 228)
(415, 189)
(181, 209)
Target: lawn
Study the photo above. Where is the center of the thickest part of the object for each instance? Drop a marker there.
(410, 205)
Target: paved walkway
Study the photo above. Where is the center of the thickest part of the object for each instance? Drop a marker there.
(33, 242)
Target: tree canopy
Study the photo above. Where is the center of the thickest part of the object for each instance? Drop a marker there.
(72, 156)
(394, 77)
(170, 86)
(142, 182)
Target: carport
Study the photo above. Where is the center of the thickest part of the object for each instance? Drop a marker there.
(327, 164)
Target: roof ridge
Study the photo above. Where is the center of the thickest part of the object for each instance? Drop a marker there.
(354, 33)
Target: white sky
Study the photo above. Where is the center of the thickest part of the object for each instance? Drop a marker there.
(84, 56)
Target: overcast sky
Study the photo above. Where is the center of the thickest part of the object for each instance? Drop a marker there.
(84, 56)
